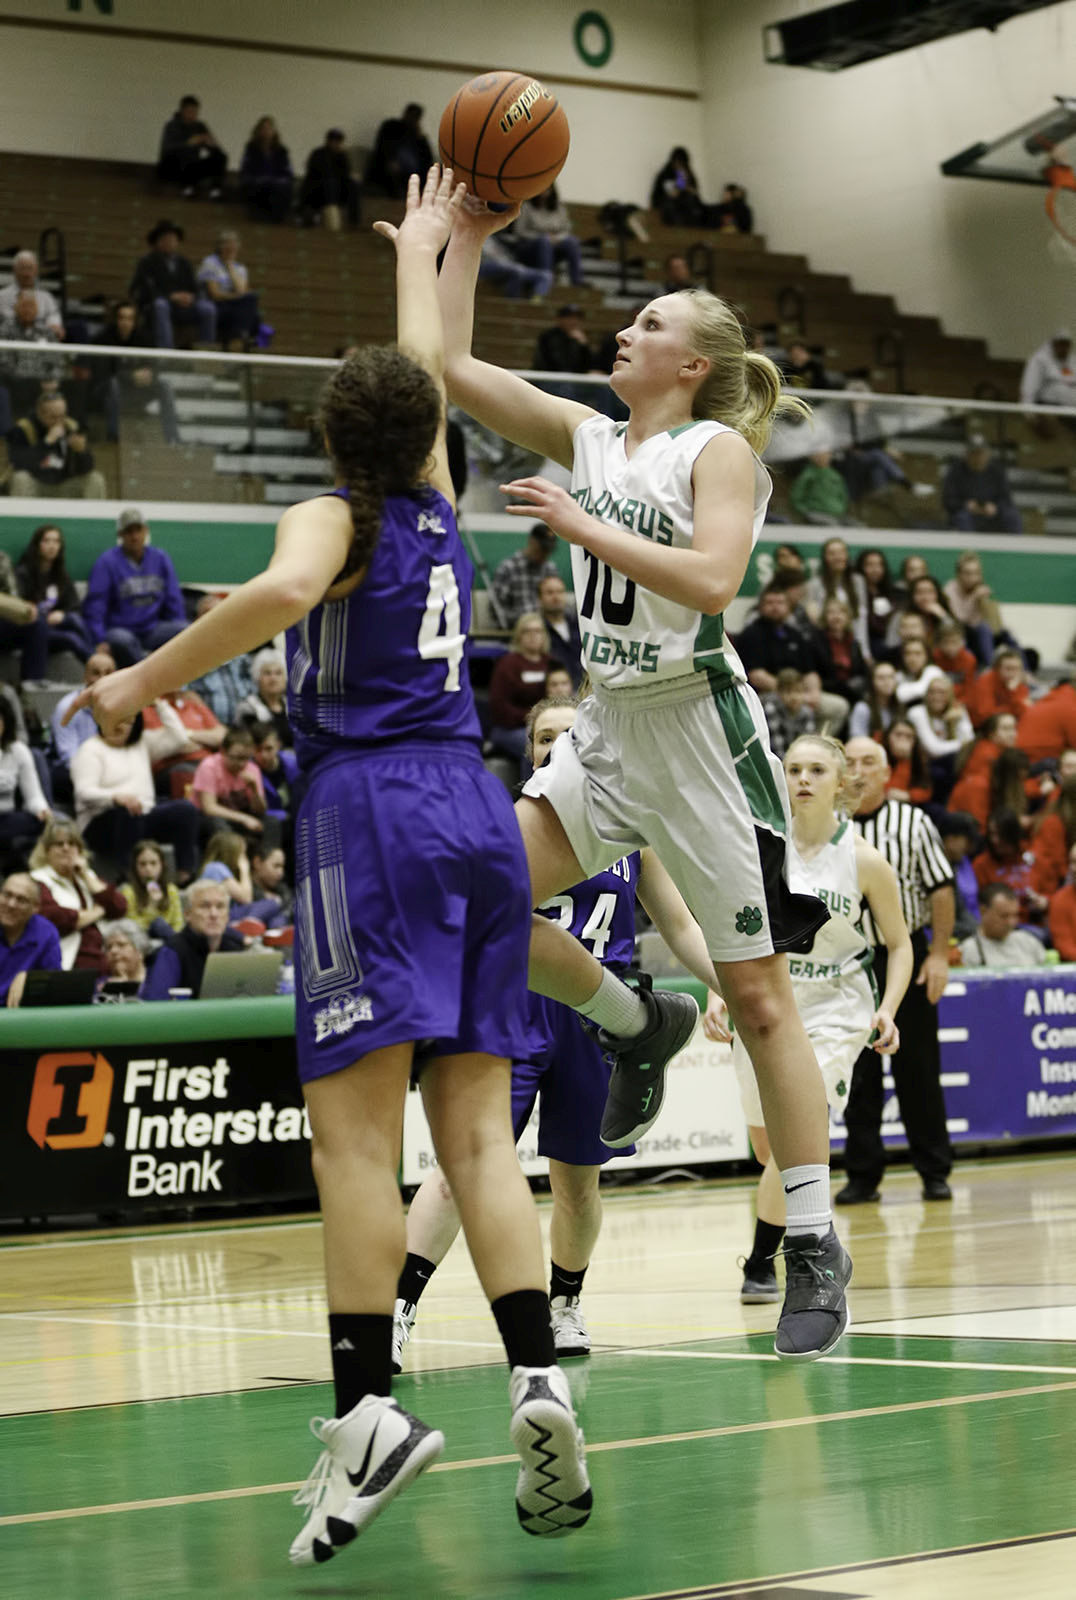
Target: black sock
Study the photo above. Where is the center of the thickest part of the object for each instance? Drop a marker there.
(362, 1357)
(768, 1238)
(416, 1274)
(567, 1284)
(523, 1318)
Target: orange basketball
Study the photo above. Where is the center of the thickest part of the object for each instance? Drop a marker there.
(505, 135)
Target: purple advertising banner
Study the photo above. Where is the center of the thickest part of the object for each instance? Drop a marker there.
(1008, 1054)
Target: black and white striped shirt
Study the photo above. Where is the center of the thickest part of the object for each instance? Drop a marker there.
(912, 845)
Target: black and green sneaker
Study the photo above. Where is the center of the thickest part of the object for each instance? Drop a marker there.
(637, 1083)
(814, 1316)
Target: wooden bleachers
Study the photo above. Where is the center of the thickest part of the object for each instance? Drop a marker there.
(319, 289)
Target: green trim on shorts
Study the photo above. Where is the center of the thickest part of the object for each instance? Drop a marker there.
(749, 756)
(866, 961)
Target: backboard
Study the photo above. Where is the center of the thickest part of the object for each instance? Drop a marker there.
(1027, 153)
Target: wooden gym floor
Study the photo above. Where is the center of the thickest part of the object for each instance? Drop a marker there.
(155, 1387)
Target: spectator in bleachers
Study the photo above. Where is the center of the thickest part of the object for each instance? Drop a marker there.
(47, 321)
(1007, 859)
(842, 664)
(24, 807)
(732, 213)
(500, 264)
(50, 456)
(999, 942)
(544, 236)
(1048, 726)
(564, 347)
(227, 862)
(278, 767)
(819, 494)
(189, 154)
(165, 290)
(1049, 376)
(267, 702)
(675, 192)
(152, 898)
(1002, 687)
(802, 370)
(83, 725)
(268, 874)
(517, 684)
(33, 370)
(329, 187)
(906, 625)
(558, 684)
(173, 773)
(28, 941)
(127, 949)
(73, 898)
(976, 494)
(42, 578)
(121, 387)
(226, 281)
(916, 672)
(21, 626)
(943, 729)
(771, 641)
(116, 804)
(678, 274)
(266, 180)
(1061, 918)
(788, 716)
(976, 791)
(881, 601)
(909, 774)
(1053, 834)
(180, 962)
(133, 600)
(952, 655)
(871, 716)
(959, 836)
(562, 626)
(224, 687)
(228, 785)
(836, 580)
(518, 577)
(400, 149)
(925, 600)
(971, 601)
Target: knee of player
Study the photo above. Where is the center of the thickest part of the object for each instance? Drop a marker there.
(758, 1014)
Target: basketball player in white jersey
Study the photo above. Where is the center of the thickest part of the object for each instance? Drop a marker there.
(671, 750)
(833, 985)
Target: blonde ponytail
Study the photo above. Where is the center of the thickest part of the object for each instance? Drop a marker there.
(743, 389)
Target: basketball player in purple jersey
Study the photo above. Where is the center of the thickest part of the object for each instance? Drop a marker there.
(565, 1069)
(412, 906)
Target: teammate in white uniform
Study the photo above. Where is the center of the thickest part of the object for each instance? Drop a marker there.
(833, 986)
(671, 750)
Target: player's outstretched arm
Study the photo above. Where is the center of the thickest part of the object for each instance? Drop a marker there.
(668, 911)
(510, 406)
(432, 209)
(878, 882)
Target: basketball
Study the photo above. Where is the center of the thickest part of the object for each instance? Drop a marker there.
(505, 135)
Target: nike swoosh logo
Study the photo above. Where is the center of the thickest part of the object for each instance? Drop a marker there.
(796, 1186)
(355, 1478)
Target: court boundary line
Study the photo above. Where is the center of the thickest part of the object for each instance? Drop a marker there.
(689, 1436)
(746, 1586)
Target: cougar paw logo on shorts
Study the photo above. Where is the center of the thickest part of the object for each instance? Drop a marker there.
(749, 920)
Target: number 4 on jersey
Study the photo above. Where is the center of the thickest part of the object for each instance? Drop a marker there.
(443, 604)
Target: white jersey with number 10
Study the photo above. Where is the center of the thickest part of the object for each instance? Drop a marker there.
(631, 636)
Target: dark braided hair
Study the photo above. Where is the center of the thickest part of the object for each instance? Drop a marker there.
(380, 413)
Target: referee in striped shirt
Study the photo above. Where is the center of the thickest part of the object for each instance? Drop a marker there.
(910, 843)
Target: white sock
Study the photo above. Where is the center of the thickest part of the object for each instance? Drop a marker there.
(806, 1199)
(615, 1007)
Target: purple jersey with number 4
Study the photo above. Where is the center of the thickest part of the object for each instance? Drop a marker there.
(386, 664)
(600, 912)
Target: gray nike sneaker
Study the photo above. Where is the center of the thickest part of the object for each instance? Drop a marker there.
(637, 1083)
(815, 1315)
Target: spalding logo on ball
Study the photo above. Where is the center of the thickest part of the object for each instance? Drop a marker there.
(505, 136)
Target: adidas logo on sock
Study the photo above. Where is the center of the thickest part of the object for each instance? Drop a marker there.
(343, 1344)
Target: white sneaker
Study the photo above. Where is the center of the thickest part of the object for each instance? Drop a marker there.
(553, 1494)
(570, 1335)
(403, 1320)
(369, 1456)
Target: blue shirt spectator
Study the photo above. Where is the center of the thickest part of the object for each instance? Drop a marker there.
(83, 725)
(133, 601)
(28, 943)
